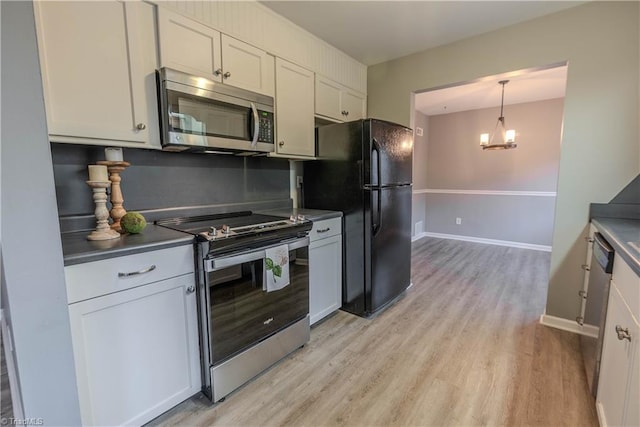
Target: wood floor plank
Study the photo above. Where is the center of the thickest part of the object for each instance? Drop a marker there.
(463, 347)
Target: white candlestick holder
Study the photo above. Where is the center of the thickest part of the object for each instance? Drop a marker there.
(102, 231)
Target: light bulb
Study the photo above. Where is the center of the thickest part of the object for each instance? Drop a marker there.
(510, 136)
(484, 138)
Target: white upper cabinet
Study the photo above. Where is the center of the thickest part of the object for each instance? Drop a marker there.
(294, 110)
(338, 102)
(353, 105)
(98, 62)
(247, 67)
(188, 46)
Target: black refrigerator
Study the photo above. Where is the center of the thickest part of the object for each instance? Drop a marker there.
(364, 170)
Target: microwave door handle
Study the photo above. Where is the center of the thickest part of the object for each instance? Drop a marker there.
(256, 125)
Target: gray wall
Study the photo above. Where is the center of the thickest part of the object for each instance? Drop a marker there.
(456, 162)
(601, 42)
(33, 279)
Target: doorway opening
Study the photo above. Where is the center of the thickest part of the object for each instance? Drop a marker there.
(504, 197)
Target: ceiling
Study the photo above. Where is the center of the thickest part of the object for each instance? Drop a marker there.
(523, 86)
(378, 31)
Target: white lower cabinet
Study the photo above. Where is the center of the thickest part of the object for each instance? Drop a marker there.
(136, 351)
(618, 398)
(325, 268)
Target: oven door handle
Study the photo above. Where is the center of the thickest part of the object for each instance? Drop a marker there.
(240, 258)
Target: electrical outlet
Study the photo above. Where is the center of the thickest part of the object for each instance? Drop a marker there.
(458, 221)
(299, 181)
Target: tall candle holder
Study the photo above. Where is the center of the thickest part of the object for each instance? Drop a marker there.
(117, 200)
(102, 231)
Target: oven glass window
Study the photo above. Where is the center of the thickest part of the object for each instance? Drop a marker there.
(242, 313)
(200, 116)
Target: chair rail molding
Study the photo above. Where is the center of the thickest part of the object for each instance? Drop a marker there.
(486, 192)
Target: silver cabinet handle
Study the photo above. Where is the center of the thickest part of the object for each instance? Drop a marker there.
(141, 126)
(586, 267)
(226, 75)
(588, 239)
(343, 112)
(191, 289)
(346, 113)
(135, 273)
(583, 294)
(623, 333)
(218, 71)
(281, 143)
(324, 230)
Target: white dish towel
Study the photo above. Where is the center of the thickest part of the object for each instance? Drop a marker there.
(276, 268)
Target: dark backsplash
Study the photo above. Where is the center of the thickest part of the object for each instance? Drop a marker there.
(158, 180)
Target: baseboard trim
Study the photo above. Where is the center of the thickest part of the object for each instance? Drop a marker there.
(569, 325)
(508, 243)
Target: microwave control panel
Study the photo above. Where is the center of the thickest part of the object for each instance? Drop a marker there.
(266, 131)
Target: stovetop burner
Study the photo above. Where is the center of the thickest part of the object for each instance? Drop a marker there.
(237, 226)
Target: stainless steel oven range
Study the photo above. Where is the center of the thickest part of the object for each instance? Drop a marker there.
(247, 325)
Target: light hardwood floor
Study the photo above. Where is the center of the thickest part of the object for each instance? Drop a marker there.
(463, 347)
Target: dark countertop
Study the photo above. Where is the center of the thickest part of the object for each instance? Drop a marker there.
(311, 214)
(619, 232)
(77, 249)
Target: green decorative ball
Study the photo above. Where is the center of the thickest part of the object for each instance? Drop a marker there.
(133, 222)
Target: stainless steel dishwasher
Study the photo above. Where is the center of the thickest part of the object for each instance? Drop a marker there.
(597, 297)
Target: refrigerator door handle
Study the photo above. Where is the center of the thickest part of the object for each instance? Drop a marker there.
(376, 225)
(376, 148)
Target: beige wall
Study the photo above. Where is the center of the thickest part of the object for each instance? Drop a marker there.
(600, 41)
(454, 140)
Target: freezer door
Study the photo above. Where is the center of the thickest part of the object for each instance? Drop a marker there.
(387, 153)
(389, 236)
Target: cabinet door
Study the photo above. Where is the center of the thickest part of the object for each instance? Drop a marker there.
(91, 63)
(188, 46)
(353, 105)
(136, 352)
(294, 110)
(328, 98)
(325, 277)
(616, 361)
(247, 67)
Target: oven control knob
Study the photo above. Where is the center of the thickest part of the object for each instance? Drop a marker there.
(293, 219)
(301, 218)
(213, 231)
(226, 229)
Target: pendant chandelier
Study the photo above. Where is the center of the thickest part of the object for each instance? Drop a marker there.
(507, 137)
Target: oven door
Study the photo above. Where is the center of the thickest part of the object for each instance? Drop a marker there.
(240, 312)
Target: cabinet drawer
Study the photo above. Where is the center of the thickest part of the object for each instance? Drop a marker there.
(93, 279)
(325, 228)
(628, 283)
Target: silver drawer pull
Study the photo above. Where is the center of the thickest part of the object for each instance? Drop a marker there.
(623, 334)
(135, 273)
(191, 289)
(324, 230)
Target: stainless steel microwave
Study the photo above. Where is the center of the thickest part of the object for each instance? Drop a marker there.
(197, 114)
